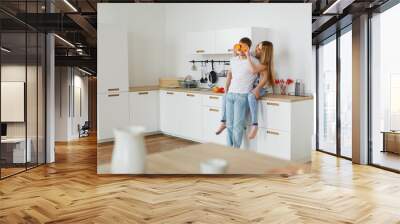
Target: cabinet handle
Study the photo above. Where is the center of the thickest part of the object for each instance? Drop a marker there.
(113, 89)
(214, 110)
(230, 50)
(170, 93)
(112, 95)
(272, 133)
(273, 104)
(214, 97)
(200, 51)
(191, 95)
(143, 93)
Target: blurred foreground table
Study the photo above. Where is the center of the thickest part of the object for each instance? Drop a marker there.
(187, 161)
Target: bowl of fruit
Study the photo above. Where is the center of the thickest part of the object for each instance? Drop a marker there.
(217, 89)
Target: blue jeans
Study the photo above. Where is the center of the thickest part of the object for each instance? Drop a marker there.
(253, 105)
(236, 108)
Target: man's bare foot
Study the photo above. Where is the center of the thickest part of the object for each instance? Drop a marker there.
(221, 129)
(253, 132)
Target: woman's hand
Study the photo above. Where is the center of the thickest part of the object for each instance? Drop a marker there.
(256, 93)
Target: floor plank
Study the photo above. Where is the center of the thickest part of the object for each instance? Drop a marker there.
(70, 191)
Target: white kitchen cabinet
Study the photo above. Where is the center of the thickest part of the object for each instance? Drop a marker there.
(274, 143)
(169, 112)
(200, 42)
(212, 120)
(112, 112)
(286, 129)
(144, 109)
(222, 41)
(191, 118)
(225, 39)
(112, 60)
(212, 100)
(274, 115)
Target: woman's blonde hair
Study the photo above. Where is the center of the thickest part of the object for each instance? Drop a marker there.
(267, 59)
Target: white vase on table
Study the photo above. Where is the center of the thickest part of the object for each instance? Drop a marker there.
(129, 153)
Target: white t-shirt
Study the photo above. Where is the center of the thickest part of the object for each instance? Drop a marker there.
(242, 78)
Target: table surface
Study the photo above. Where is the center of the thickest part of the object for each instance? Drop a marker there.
(391, 132)
(13, 140)
(187, 161)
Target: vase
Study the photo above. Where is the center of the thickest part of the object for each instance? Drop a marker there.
(129, 153)
(283, 90)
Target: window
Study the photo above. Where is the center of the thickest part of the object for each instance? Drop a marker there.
(346, 74)
(327, 97)
(334, 103)
(22, 78)
(385, 89)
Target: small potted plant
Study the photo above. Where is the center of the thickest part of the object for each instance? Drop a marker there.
(283, 85)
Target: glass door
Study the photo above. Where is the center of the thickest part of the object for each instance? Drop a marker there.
(334, 98)
(346, 93)
(22, 98)
(385, 90)
(14, 155)
(327, 96)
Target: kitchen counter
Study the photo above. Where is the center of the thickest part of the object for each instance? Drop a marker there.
(269, 97)
(143, 88)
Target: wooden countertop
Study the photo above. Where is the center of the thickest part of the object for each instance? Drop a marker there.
(187, 161)
(269, 97)
(143, 88)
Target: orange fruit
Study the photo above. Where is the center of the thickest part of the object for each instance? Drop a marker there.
(240, 47)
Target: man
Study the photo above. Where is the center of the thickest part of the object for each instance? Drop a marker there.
(239, 83)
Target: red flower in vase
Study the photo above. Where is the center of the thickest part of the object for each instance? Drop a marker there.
(289, 81)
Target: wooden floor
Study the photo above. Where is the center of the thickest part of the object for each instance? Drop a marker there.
(386, 159)
(70, 191)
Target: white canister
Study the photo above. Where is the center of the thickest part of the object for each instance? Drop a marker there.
(129, 154)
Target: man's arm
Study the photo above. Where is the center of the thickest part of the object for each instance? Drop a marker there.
(228, 81)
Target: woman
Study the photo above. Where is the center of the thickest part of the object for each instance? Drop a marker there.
(265, 71)
(266, 81)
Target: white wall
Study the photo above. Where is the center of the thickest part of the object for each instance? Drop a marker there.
(288, 24)
(66, 121)
(144, 25)
(156, 35)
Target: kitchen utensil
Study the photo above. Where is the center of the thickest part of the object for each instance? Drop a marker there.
(205, 71)
(188, 83)
(213, 166)
(212, 77)
(297, 88)
(202, 80)
(194, 68)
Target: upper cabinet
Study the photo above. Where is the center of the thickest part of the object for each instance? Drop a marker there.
(112, 59)
(225, 39)
(200, 42)
(222, 41)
